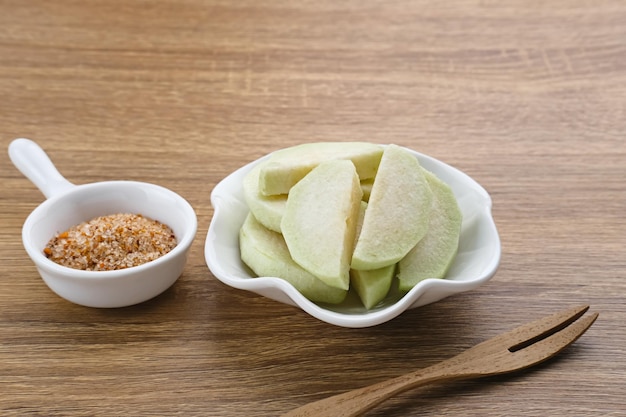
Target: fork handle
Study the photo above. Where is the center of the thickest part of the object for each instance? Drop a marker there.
(356, 402)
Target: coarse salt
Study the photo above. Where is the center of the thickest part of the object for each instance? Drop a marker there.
(106, 243)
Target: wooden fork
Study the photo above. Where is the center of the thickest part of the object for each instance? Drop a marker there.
(517, 349)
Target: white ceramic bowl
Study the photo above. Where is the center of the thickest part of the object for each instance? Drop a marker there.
(476, 262)
(68, 205)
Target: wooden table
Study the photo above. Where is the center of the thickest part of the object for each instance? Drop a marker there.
(529, 98)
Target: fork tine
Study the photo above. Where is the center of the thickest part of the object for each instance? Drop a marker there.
(550, 346)
(531, 332)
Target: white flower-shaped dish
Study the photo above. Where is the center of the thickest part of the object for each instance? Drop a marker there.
(476, 262)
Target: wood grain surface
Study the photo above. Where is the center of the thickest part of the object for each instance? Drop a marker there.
(527, 97)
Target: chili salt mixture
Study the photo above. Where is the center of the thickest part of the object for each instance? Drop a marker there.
(111, 242)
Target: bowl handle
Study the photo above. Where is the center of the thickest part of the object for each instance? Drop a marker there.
(33, 162)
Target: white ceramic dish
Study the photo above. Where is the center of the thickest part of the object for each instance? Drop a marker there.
(476, 262)
(68, 205)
